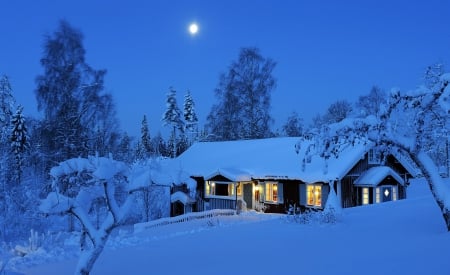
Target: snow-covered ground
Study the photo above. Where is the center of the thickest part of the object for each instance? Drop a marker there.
(403, 237)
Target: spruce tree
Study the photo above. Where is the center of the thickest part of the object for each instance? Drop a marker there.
(145, 138)
(19, 141)
(172, 118)
(190, 117)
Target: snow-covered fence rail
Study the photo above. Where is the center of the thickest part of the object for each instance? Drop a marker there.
(184, 218)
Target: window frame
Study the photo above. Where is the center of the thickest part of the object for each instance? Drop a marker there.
(316, 195)
(210, 189)
(365, 193)
(373, 158)
(269, 191)
(377, 194)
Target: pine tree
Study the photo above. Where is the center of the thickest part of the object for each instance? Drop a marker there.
(124, 152)
(19, 141)
(145, 138)
(172, 118)
(7, 102)
(190, 117)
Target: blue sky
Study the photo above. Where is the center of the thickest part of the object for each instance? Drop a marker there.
(325, 50)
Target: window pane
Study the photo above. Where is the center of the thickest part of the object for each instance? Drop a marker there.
(318, 195)
(365, 195)
(309, 194)
(274, 192)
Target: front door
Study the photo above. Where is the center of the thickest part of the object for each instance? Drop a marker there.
(248, 196)
(386, 193)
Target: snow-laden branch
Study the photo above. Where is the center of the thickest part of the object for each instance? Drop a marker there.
(408, 123)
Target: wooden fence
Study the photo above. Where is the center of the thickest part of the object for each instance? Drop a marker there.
(139, 227)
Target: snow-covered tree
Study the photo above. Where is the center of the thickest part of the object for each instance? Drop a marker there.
(8, 209)
(172, 118)
(408, 123)
(338, 111)
(371, 104)
(293, 126)
(160, 146)
(124, 150)
(244, 96)
(19, 141)
(78, 118)
(190, 116)
(7, 103)
(78, 184)
(145, 138)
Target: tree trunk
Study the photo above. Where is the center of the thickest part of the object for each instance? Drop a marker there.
(431, 174)
(89, 257)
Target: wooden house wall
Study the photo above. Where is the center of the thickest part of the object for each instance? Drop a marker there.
(348, 191)
(360, 167)
(290, 192)
(392, 162)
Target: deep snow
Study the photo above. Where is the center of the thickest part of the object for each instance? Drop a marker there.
(402, 237)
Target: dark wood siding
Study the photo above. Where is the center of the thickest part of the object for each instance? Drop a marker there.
(302, 193)
(290, 192)
(348, 192)
(360, 167)
(325, 192)
(392, 162)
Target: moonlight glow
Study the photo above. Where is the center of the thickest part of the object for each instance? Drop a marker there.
(193, 28)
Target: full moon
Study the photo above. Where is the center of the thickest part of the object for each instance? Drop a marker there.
(193, 28)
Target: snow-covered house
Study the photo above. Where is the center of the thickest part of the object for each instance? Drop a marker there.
(271, 174)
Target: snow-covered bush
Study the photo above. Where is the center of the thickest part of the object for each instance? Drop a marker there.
(327, 216)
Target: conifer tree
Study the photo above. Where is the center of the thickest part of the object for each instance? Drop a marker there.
(145, 138)
(19, 141)
(191, 120)
(172, 118)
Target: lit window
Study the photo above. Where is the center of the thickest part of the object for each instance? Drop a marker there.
(365, 195)
(394, 193)
(271, 191)
(377, 195)
(314, 194)
(227, 189)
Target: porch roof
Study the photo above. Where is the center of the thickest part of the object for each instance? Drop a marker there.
(232, 174)
(375, 175)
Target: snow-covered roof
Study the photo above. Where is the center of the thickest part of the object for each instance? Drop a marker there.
(272, 158)
(182, 197)
(375, 175)
(163, 172)
(232, 174)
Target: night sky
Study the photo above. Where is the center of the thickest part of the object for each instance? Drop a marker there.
(325, 50)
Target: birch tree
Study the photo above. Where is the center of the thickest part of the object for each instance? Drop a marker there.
(244, 97)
